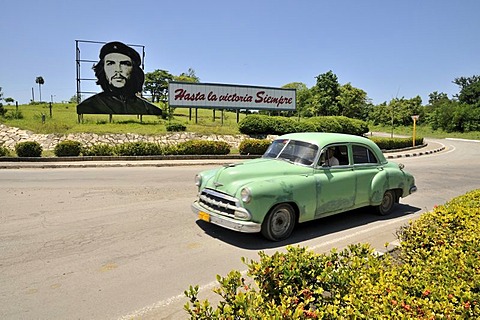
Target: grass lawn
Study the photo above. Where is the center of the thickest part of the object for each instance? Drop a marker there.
(64, 120)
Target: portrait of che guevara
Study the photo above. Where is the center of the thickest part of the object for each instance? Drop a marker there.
(119, 74)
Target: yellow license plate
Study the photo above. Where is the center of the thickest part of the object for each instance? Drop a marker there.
(204, 216)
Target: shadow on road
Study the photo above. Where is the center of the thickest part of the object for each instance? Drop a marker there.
(305, 231)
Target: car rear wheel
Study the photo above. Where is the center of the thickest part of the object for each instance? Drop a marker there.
(387, 204)
(279, 222)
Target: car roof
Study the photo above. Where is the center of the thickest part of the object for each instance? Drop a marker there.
(323, 139)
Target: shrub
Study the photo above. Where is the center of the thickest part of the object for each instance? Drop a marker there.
(324, 124)
(175, 126)
(255, 124)
(68, 148)
(139, 149)
(434, 276)
(396, 143)
(99, 150)
(352, 126)
(282, 125)
(261, 124)
(4, 152)
(253, 146)
(14, 114)
(28, 149)
(203, 147)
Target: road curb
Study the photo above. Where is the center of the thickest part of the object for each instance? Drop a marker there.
(415, 154)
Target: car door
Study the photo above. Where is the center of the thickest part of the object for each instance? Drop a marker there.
(335, 185)
(366, 167)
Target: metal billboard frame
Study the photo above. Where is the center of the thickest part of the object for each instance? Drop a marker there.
(79, 61)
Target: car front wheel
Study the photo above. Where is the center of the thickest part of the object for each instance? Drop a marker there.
(279, 222)
(387, 204)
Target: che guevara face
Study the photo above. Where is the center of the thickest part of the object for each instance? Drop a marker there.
(118, 68)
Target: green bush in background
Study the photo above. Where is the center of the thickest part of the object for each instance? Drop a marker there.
(101, 149)
(256, 124)
(396, 143)
(139, 149)
(68, 148)
(253, 146)
(260, 124)
(175, 127)
(4, 152)
(203, 147)
(28, 149)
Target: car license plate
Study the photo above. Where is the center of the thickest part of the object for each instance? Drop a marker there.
(204, 216)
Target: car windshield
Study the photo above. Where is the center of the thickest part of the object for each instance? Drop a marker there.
(298, 152)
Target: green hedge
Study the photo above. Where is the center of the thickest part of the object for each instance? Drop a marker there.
(396, 143)
(68, 148)
(101, 149)
(139, 149)
(28, 149)
(261, 124)
(253, 146)
(4, 152)
(435, 275)
(175, 127)
(203, 147)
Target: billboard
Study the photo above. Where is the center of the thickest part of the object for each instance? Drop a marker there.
(121, 77)
(226, 96)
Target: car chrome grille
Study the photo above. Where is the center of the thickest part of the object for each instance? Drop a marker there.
(218, 202)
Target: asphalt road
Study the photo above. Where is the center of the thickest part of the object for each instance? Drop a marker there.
(122, 243)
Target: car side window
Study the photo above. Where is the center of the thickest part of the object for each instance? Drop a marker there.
(335, 155)
(362, 155)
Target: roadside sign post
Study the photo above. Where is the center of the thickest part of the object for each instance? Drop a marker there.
(415, 118)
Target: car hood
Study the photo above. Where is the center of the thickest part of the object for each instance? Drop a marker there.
(231, 177)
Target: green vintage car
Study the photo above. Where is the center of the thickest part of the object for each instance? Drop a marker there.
(301, 177)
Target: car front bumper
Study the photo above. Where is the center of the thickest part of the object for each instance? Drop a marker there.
(224, 221)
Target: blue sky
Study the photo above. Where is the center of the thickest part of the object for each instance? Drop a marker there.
(387, 48)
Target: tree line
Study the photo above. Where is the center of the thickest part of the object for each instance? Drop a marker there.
(460, 113)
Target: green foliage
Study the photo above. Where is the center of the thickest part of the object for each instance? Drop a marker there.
(13, 114)
(156, 83)
(68, 148)
(28, 149)
(255, 124)
(338, 125)
(353, 102)
(261, 124)
(99, 150)
(175, 126)
(4, 152)
(434, 276)
(324, 100)
(451, 116)
(139, 149)
(398, 112)
(469, 90)
(253, 146)
(352, 126)
(203, 147)
(396, 143)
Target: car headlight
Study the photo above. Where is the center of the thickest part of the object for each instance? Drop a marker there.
(246, 195)
(198, 180)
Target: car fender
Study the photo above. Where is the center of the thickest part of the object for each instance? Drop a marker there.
(298, 190)
(380, 184)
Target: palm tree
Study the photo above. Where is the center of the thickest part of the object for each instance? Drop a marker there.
(40, 81)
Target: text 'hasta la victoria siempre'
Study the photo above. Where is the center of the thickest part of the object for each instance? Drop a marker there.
(260, 97)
